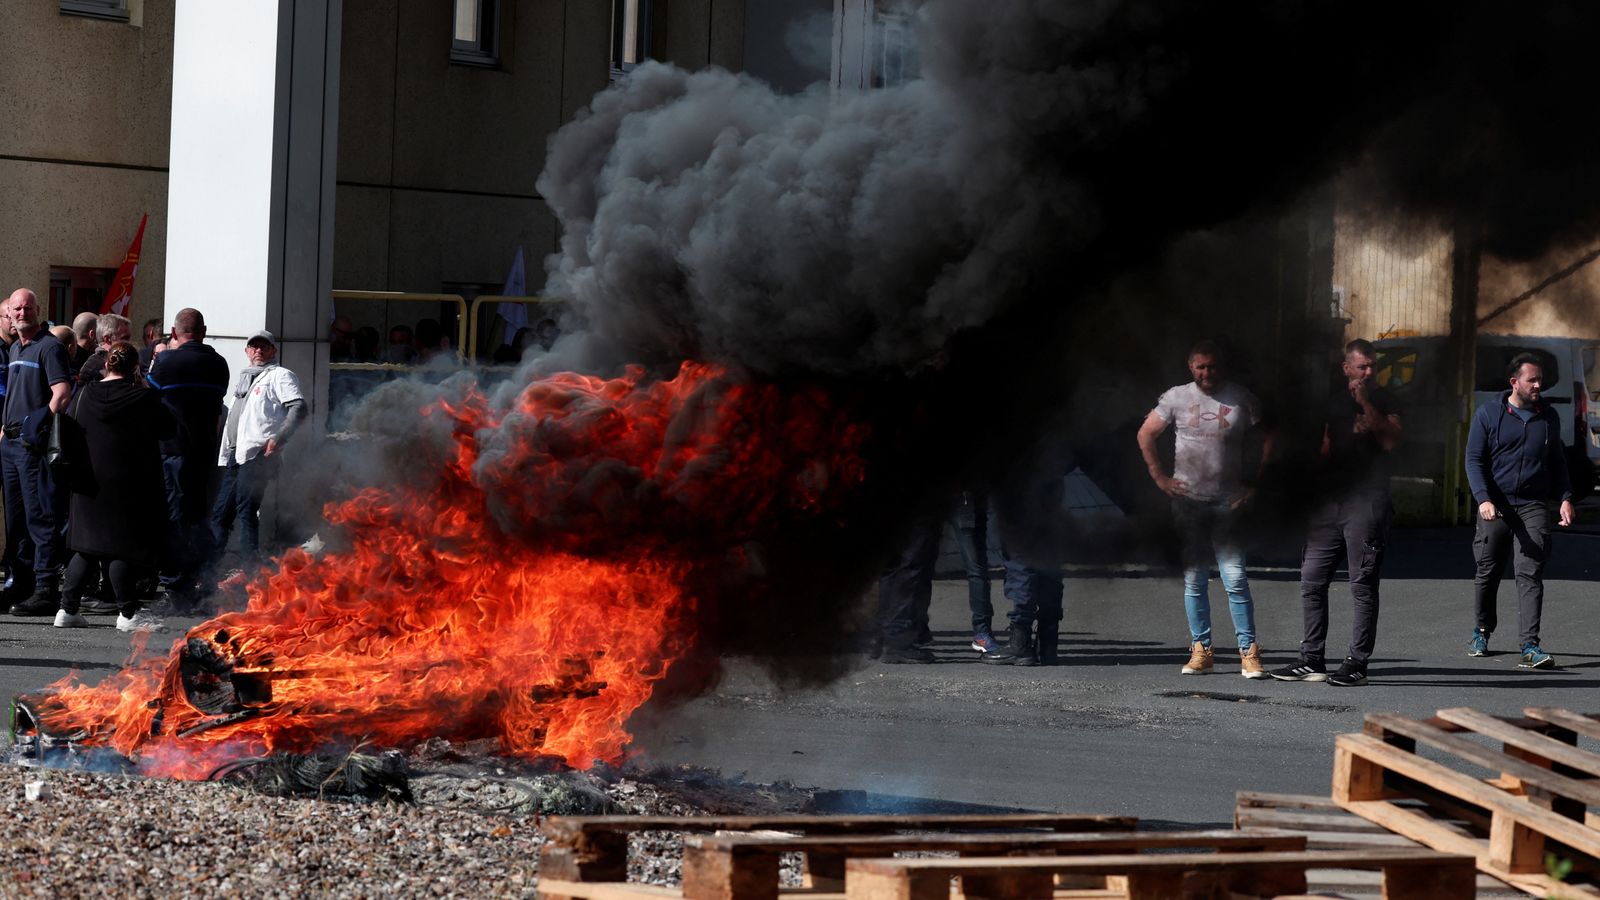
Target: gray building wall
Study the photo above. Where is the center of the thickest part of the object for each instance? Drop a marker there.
(788, 43)
(85, 109)
(437, 162)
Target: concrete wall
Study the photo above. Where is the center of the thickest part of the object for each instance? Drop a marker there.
(437, 162)
(83, 151)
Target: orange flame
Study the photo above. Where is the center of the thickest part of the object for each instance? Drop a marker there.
(534, 594)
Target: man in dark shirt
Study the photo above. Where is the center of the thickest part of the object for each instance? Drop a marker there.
(38, 384)
(1517, 468)
(193, 379)
(1361, 430)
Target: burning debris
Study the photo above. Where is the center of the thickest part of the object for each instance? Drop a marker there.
(912, 258)
(532, 597)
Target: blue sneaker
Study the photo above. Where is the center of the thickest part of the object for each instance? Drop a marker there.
(1535, 658)
(984, 642)
(1480, 643)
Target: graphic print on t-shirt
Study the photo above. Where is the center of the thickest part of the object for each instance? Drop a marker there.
(1208, 452)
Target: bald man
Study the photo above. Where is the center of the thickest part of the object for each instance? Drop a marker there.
(192, 378)
(38, 384)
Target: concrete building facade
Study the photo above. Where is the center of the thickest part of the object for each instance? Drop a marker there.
(86, 107)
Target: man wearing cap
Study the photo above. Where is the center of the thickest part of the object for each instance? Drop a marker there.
(192, 378)
(267, 407)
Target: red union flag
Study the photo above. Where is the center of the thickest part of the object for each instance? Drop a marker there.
(121, 290)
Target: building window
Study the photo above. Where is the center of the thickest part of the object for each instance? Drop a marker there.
(75, 289)
(116, 10)
(630, 35)
(895, 59)
(475, 40)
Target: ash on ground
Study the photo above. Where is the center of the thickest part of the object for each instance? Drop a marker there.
(442, 820)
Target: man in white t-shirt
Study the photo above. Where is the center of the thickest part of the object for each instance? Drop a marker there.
(1211, 417)
(267, 407)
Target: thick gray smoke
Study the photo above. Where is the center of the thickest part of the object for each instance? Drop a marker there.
(705, 216)
(970, 254)
(1049, 147)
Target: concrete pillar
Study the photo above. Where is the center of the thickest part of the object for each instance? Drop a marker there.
(255, 111)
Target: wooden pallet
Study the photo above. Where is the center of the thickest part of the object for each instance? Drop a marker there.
(594, 849)
(1536, 803)
(1127, 864)
(1327, 826)
(1407, 874)
(746, 868)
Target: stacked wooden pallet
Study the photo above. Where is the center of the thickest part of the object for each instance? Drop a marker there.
(1327, 826)
(1525, 824)
(1012, 857)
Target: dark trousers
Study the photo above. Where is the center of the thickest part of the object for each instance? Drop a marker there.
(1525, 527)
(969, 523)
(32, 514)
(84, 570)
(906, 586)
(1034, 590)
(186, 480)
(1357, 528)
(239, 499)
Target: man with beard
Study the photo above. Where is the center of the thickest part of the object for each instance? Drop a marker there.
(1361, 429)
(1211, 416)
(1517, 469)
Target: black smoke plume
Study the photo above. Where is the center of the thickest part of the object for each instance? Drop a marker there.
(981, 254)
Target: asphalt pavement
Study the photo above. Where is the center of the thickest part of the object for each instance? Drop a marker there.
(1114, 729)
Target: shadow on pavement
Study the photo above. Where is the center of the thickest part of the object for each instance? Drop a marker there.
(36, 663)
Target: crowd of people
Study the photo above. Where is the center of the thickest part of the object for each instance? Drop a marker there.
(1514, 464)
(125, 469)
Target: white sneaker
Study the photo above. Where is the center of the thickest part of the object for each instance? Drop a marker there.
(65, 619)
(143, 620)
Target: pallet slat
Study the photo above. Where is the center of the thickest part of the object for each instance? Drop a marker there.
(1407, 874)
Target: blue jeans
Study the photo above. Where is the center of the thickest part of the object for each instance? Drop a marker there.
(1208, 529)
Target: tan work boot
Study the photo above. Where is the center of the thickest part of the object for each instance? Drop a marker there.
(1199, 660)
(1250, 662)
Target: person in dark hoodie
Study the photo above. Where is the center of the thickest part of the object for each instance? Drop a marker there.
(1517, 469)
(115, 482)
(192, 378)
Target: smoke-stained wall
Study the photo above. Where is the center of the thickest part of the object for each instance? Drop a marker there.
(1395, 278)
(1568, 308)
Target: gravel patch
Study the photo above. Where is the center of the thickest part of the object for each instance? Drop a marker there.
(97, 834)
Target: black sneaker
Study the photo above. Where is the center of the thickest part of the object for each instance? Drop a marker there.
(96, 606)
(46, 600)
(899, 655)
(1350, 674)
(1304, 670)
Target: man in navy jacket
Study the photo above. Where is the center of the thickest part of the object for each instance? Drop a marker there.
(1517, 468)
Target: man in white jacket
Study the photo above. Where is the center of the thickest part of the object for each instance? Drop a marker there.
(267, 409)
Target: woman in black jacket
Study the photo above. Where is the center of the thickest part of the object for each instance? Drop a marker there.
(116, 481)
